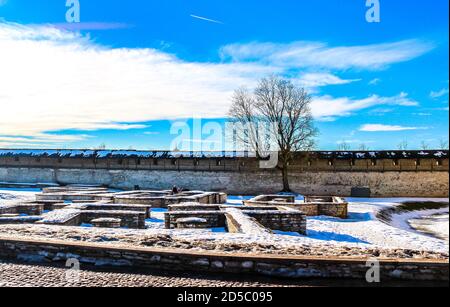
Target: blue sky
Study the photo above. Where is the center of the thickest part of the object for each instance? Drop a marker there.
(129, 71)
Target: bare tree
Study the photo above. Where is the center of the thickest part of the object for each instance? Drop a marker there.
(424, 145)
(364, 147)
(443, 144)
(403, 145)
(343, 146)
(276, 116)
(102, 146)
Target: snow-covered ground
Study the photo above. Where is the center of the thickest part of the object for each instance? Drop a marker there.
(361, 230)
(435, 223)
(12, 195)
(364, 228)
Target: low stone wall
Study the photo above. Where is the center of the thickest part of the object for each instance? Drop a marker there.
(308, 209)
(107, 223)
(155, 202)
(19, 220)
(164, 199)
(30, 209)
(63, 217)
(312, 206)
(214, 218)
(238, 222)
(339, 210)
(129, 219)
(57, 197)
(146, 209)
(193, 207)
(27, 209)
(275, 266)
(8, 209)
(289, 221)
(50, 205)
(75, 217)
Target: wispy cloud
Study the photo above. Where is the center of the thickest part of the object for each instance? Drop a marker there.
(65, 81)
(62, 80)
(206, 19)
(3, 2)
(355, 141)
(380, 111)
(316, 54)
(374, 81)
(439, 94)
(387, 128)
(326, 106)
(40, 140)
(314, 80)
(86, 26)
(45, 138)
(113, 126)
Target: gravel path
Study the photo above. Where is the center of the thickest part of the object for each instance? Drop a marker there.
(32, 275)
(14, 274)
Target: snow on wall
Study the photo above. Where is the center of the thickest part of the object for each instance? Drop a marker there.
(440, 154)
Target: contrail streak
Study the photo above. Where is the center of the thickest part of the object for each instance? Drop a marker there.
(206, 19)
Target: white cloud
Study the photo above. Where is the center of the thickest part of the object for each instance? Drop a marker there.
(16, 144)
(41, 140)
(46, 138)
(381, 111)
(439, 94)
(374, 81)
(115, 126)
(314, 80)
(352, 141)
(422, 114)
(314, 54)
(386, 128)
(326, 106)
(52, 80)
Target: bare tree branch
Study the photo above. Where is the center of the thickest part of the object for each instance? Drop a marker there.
(283, 110)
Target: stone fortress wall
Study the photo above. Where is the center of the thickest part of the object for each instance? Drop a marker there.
(376, 174)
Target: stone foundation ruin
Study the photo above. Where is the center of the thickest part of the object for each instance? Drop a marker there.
(236, 219)
(311, 206)
(91, 206)
(98, 207)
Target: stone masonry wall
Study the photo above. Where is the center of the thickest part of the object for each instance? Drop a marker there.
(129, 219)
(334, 209)
(214, 218)
(277, 266)
(289, 221)
(381, 184)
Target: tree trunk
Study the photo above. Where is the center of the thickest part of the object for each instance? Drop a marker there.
(286, 187)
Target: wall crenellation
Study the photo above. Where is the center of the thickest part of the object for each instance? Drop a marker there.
(376, 174)
(303, 162)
